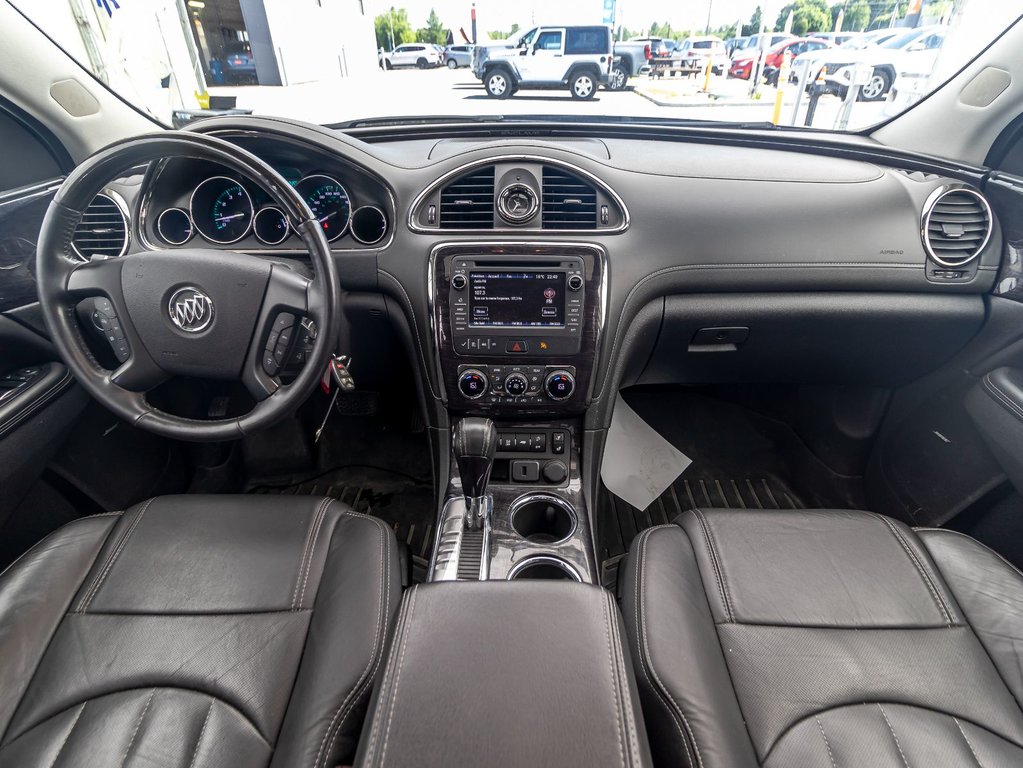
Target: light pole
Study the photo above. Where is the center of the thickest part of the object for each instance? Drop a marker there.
(710, 10)
(390, 23)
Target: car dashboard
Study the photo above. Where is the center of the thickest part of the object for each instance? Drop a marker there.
(530, 273)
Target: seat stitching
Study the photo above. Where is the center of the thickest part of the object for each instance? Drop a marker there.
(666, 698)
(91, 594)
(202, 731)
(919, 567)
(305, 551)
(890, 728)
(384, 575)
(364, 684)
(803, 720)
(39, 544)
(138, 725)
(623, 676)
(969, 538)
(397, 678)
(718, 573)
(63, 744)
(383, 702)
(614, 683)
(1003, 399)
(967, 740)
(827, 744)
(312, 550)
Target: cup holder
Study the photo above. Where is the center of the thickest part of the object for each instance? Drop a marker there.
(542, 519)
(544, 567)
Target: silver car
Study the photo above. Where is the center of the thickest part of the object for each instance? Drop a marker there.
(456, 56)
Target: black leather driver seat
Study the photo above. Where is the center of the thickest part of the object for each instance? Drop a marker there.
(824, 638)
(196, 631)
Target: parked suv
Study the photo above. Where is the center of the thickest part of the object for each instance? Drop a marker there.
(550, 57)
(456, 56)
(695, 51)
(419, 55)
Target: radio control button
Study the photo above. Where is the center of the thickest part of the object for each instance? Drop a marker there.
(516, 384)
(575, 283)
(458, 282)
(472, 384)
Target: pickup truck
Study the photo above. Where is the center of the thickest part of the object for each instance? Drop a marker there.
(632, 57)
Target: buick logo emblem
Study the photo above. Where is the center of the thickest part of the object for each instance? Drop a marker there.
(190, 309)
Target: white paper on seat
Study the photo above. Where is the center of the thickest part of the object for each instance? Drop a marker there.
(639, 464)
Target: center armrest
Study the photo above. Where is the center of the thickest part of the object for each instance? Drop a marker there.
(518, 673)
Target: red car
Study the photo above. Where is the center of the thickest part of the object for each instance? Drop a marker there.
(742, 68)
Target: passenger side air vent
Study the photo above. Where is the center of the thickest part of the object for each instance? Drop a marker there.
(468, 202)
(957, 226)
(103, 230)
(568, 201)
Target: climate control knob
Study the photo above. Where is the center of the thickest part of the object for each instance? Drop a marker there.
(559, 385)
(472, 384)
(516, 384)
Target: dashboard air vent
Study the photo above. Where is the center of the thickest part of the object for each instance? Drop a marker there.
(103, 230)
(468, 201)
(568, 201)
(957, 226)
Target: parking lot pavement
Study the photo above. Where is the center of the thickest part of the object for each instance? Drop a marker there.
(405, 93)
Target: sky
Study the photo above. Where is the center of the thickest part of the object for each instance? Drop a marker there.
(634, 14)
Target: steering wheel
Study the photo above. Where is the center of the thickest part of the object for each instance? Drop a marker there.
(198, 312)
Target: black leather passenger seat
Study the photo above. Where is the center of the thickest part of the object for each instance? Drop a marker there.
(196, 631)
(824, 638)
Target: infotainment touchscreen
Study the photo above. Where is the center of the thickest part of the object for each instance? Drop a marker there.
(516, 299)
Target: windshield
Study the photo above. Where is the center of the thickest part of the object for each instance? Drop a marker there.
(337, 62)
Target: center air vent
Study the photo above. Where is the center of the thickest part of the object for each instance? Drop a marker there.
(957, 226)
(103, 230)
(468, 202)
(568, 201)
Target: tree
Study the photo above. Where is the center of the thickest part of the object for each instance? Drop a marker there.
(807, 16)
(497, 34)
(393, 28)
(857, 15)
(434, 32)
(756, 22)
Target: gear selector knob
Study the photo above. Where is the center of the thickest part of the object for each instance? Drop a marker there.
(474, 443)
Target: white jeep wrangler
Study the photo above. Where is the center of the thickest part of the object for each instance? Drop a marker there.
(551, 57)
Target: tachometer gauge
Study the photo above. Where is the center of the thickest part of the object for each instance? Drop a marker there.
(221, 210)
(329, 202)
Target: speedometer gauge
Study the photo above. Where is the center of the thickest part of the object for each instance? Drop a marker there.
(221, 210)
(329, 202)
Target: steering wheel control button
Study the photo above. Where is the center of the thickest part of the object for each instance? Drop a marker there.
(575, 283)
(472, 384)
(516, 347)
(559, 385)
(190, 310)
(516, 384)
(459, 282)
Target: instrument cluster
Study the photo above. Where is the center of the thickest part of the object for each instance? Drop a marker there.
(224, 211)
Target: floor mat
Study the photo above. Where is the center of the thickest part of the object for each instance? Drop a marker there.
(405, 503)
(741, 459)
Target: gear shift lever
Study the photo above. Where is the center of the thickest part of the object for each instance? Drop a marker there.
(475, 441)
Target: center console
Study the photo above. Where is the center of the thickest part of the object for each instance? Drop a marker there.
(528, 675)
(516, 328)
(517, 325)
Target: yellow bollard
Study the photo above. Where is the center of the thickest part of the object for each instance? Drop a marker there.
(783, 78)
(706, 75)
